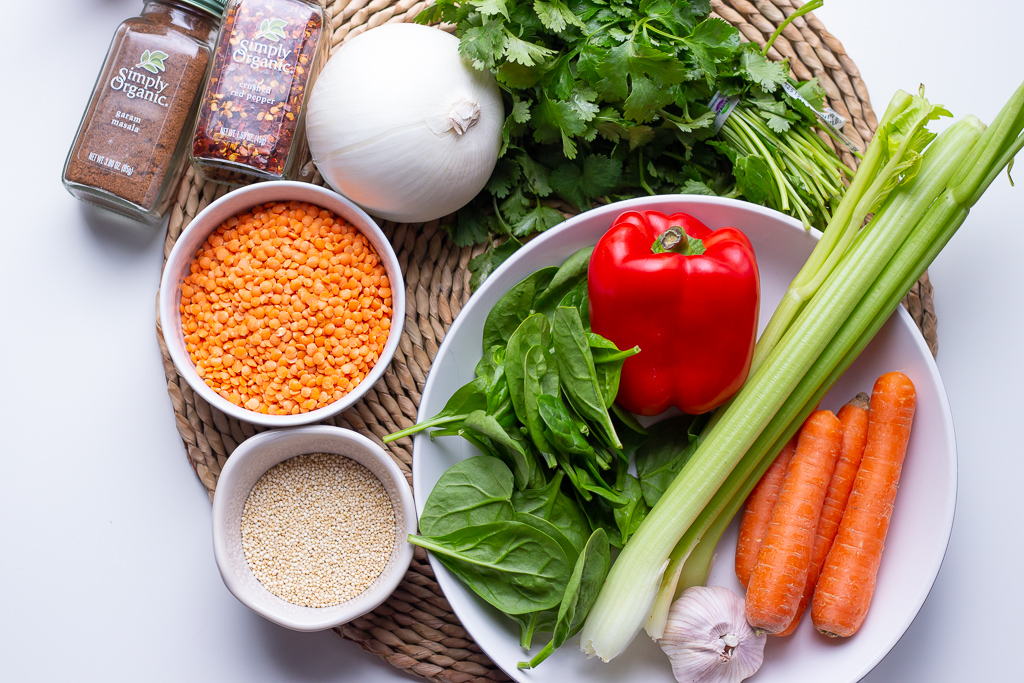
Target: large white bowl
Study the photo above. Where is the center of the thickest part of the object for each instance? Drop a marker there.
(208, 220)
(921, 522)
(247, 464)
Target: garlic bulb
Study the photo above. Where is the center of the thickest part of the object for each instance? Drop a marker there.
(400, 124)
(707, 637)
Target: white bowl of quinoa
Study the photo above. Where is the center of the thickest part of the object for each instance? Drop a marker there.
(310, 526)
(282, 303)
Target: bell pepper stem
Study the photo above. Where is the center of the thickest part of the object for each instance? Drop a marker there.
(677, 241)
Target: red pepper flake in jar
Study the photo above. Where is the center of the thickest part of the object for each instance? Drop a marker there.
(250, 124)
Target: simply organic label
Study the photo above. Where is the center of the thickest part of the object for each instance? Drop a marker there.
(263, 51)
(148, 86)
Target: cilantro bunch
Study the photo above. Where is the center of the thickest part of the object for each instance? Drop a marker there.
(608, 99)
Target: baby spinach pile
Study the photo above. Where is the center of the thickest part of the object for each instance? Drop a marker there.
(610, 100)
(528, 524)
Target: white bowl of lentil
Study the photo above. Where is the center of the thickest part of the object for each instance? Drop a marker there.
(277, 314)
(292, 529)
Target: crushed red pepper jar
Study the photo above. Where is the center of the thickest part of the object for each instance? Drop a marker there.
(251, 118)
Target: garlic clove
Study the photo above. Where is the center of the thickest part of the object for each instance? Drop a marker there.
(708, 640)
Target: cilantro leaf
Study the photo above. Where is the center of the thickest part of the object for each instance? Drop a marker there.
(523, 52)
(555, 15)
(696, 187)
(645, 99)
(482, 45)
(754, 178)
(763, 71)
(472, 226)
(490, 7)
(778, 124)
(638, 73)
(482, 265)
(598, 175)
(710, 42)
(554, 119)
(506, 173)
(675, 15)
(535, 174)
(537, 219)
(516, 206)
(520, 110)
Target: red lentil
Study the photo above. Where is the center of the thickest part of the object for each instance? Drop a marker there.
(263, 309)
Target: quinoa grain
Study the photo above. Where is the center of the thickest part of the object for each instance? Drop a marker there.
(318, 529)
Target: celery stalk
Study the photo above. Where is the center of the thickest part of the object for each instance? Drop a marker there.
(946, 155)
(878, 174)
(772, 394)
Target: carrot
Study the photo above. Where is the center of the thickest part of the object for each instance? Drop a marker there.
(757, 511)
(847, 581)
(777, 581)
(854, 418)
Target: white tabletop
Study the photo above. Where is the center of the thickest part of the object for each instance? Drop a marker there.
(105, 550)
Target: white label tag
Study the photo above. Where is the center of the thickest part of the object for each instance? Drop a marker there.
(722, 106)
(829, 118)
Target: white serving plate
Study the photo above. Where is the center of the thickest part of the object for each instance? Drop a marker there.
(920, 525)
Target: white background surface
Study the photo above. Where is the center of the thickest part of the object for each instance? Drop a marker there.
(105, 551)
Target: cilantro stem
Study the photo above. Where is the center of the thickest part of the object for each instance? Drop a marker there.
(800, 11)
(640, 168)
(647, 24)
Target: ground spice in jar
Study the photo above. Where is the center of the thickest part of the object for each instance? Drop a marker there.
(250, 124)
(130, 148)
(286, 309)
(318, 529)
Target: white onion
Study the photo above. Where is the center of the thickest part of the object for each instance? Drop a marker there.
(400, 124)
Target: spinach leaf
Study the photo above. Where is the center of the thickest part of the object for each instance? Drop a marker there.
(600, 515)
(474, 491)
(521, 461)
(584, 584)
(511, 565)
(489, 362)
(577, 298)
(577, 375)
(465, 400)
(608, 361)
(534, 622)
(629, 516)
(551, 504)
(533, 331)
(543, 525)
(631, 433)
(569, 275)
(567, 435)
(591, 481)
(670, 445)
(540, 378)
(514, 307)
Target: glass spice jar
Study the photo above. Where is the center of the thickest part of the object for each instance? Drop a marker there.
(130, 147)
(251, 124)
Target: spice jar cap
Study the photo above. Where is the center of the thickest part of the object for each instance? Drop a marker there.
(214, 7)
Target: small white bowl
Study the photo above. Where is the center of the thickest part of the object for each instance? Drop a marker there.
(247, 464)
(211, 218)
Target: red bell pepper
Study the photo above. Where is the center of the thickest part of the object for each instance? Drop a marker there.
(692, 310)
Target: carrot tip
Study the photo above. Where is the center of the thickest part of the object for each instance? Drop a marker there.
(861, 400)
(828, 633)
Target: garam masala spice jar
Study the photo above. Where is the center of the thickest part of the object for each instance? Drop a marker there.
(250, 124)
(130, 147)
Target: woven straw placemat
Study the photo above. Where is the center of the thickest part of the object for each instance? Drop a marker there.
(415, 629)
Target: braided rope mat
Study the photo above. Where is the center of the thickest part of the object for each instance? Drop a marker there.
(415, 629)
